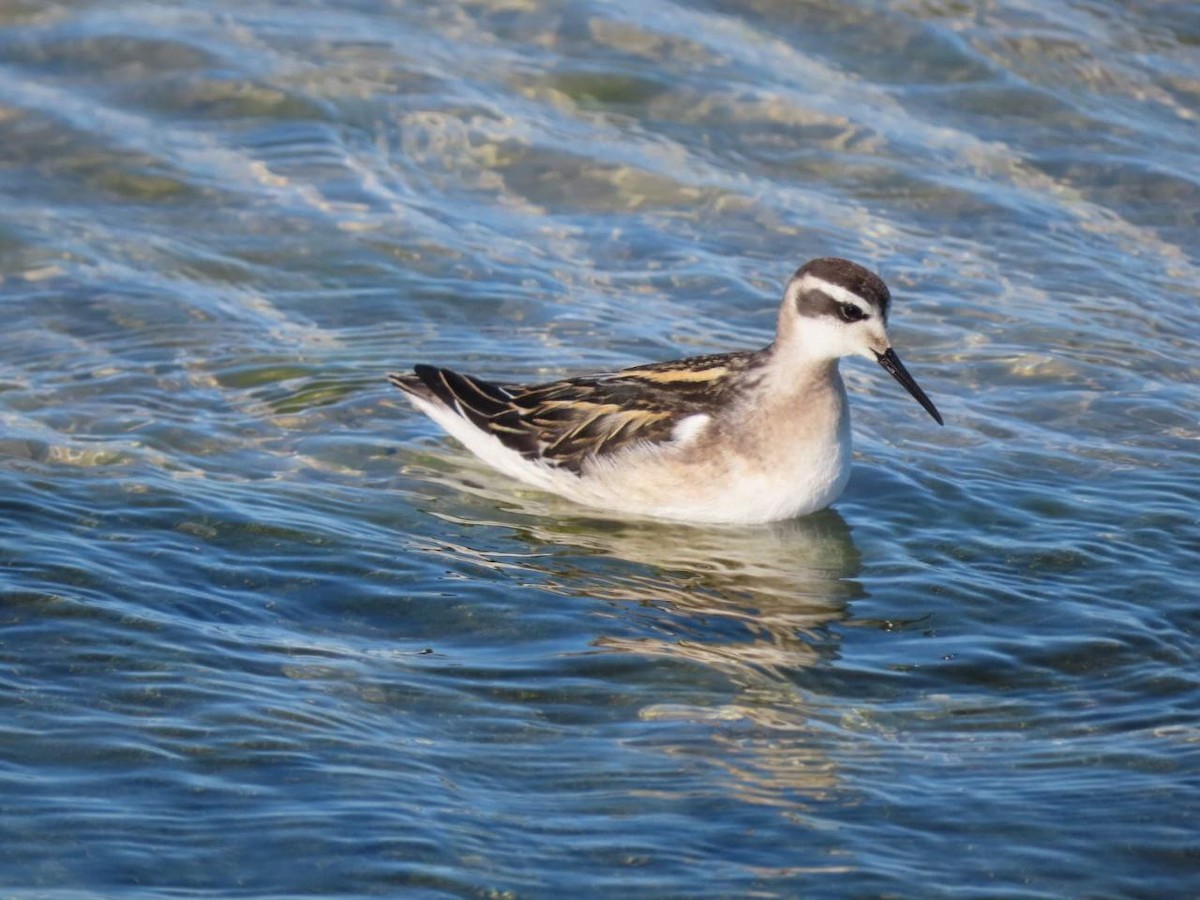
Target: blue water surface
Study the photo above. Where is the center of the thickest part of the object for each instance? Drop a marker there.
(264, 631)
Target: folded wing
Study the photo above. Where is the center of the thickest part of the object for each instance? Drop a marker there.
(566, 423)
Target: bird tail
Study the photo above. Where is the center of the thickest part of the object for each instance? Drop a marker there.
(411, 384)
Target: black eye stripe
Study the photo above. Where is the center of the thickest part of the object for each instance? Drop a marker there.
(815, 303)
(848, 312)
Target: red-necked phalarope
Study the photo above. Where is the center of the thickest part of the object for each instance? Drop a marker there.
(751, 436)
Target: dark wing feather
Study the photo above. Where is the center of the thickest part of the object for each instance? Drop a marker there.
(568, 422)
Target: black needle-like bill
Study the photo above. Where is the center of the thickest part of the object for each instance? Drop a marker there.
(895, 368)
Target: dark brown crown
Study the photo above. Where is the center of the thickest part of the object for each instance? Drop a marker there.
(852, 277)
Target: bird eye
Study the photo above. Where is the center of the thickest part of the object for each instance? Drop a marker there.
(850, 313)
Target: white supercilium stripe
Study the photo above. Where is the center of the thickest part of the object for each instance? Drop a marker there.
(836, 291)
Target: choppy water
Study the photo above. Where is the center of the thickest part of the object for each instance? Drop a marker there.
(264, 631)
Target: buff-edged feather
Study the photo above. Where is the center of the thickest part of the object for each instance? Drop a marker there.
(568, 423)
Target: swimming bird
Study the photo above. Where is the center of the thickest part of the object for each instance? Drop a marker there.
(733, 438)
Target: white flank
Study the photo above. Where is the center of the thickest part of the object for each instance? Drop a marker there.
(488, 447)
(688, 429)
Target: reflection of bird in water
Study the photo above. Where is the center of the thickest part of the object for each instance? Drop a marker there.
(750, 604)
(745, 437)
